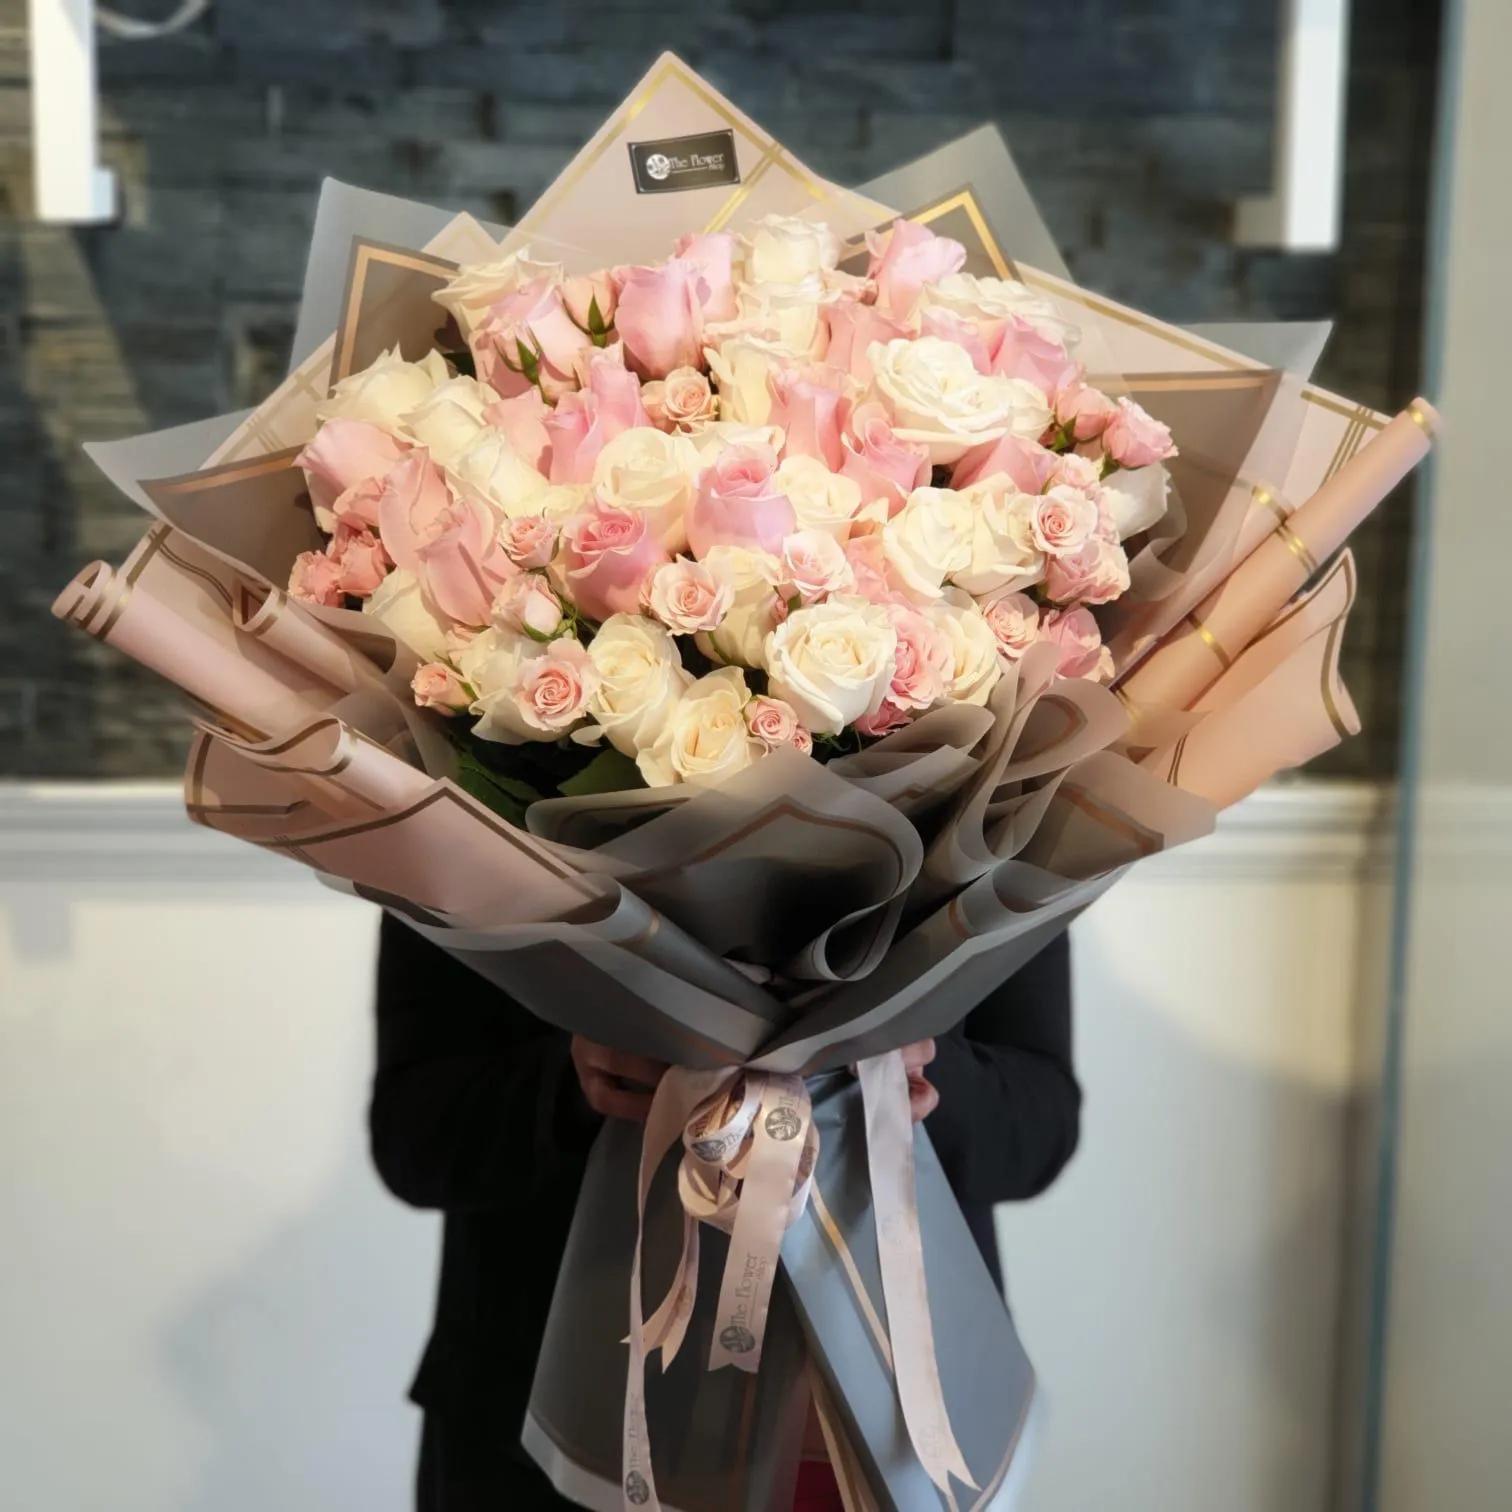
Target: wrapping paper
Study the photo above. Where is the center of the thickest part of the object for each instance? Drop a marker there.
(768, 934)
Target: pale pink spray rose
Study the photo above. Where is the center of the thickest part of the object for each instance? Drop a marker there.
(523, 418)
(1024, 351)
(889, 717)
(853, 327)
(1084, 409)
(1135, 438)
(315, 579)
(437, 686)
(687, 597)
(529, 540)
(774, 723)
(1096, 574)
(528, 339)
(554, 689)
(968, 334)
(712, 253)
(869, 567)
(910, 257)
(1063, 520)
(683, 400)
(1014, 621)
(660, 316)
(814, 565)
(529, 604)
(922, 664)
(343, 455)
(1076, 471)
(1074, 634)
(607, 555)
(361, 562)
(875, 459)
(739, 503)
(1029, 464)
(812, 416)
(583, 423)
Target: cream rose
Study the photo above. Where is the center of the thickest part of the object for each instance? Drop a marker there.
(741, 366)
(937, 398)
(402, 607)
(450, 418)
(641, 678)
(705, 739)
(476, 287)
(719, 436)
(752, 578)
(1004, 557)
(385, 391)
(821, 499)
(653, 473)
(974, 666)
(491, 662)
(929, 539)
(833, 662)
(782, 249)
(788, 314)
(493, 469)
(993, 299)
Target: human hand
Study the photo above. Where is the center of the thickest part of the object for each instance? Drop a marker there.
(923, 1097)
(615, 1082)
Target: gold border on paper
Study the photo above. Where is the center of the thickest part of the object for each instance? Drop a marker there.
(365, 254)
(836, 1238)
(965, 199)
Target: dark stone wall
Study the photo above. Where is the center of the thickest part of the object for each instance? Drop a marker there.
(1137, 125)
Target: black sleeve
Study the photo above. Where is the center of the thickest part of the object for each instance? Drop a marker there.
(472, 1093)
(1009, 1110)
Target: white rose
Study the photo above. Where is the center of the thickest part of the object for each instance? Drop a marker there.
(833, 662)
(974, 663)
(783, 249)
(787, 314)
(385, 391)
(480, 285)
(753, 578)
(821, 500)
(401, 606)
(491, 662)
(705, 739)
(641, 678)
(710, 440)
(653, 472)
(450, 418)
(1003, 555)
(1134, 499)
(929, 539)
(741, 366)
(935, 396)
(993, 299)
(492, 468)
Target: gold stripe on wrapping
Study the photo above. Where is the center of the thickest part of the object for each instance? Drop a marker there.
(1419, 418)
(1210, 641)
(1297, 546)
(965, 200)
(852, 1274)
(1174, 775)
(155, 539)
(1335, 406)
(1263, 496)
(723, 215)
(1330, 703)
(957, 918)
(645, 936)
(209, 579)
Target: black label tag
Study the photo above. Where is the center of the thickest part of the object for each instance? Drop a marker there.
(689, 162)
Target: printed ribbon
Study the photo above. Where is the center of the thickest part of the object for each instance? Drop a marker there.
(749, 1148)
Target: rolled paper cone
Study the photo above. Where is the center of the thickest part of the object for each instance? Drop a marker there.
(163, 610)
(269, 615)
(1195, 654)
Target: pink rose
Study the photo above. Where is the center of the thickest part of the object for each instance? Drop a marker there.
(1062, 521)
(1029, 464)
(1024, 351)
(869, 566)
(522, 418)
(889, 717)
(344, 455)
(583, 423)
(437, 686)
(528, 339)
(883, 466)
(683, 400)
(1014, 620)
(607, 555)
(923, 661)
(529, 540)
(815, 565)
(1084, 410)
(687, 597)
(1135, 438)
(910, 257)
(967, 334)
(1096, 574)
(315, 579)
(1074, 633)
(361, 562)
(853, 327)
(811, 416)
(1076, 471)
(712, 253)
(554, 689)
(528, 604)
(774, 723)
(585, 290)
(738, 503)
(660, 318)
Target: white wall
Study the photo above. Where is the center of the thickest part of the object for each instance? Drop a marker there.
(210, 1306)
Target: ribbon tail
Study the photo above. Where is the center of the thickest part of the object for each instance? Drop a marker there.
(905, 1292)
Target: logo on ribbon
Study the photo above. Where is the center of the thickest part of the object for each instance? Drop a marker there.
(637, 1492)
(737, 1340)
(783, 1124)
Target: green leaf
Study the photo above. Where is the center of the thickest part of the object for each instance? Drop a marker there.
(505, 795)
(611, 771)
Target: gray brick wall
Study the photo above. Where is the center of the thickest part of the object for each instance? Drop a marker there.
(1136, 124)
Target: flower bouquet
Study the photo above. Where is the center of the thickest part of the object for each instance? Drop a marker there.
(746, 622)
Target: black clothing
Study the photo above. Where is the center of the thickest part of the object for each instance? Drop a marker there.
(475, 1100)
